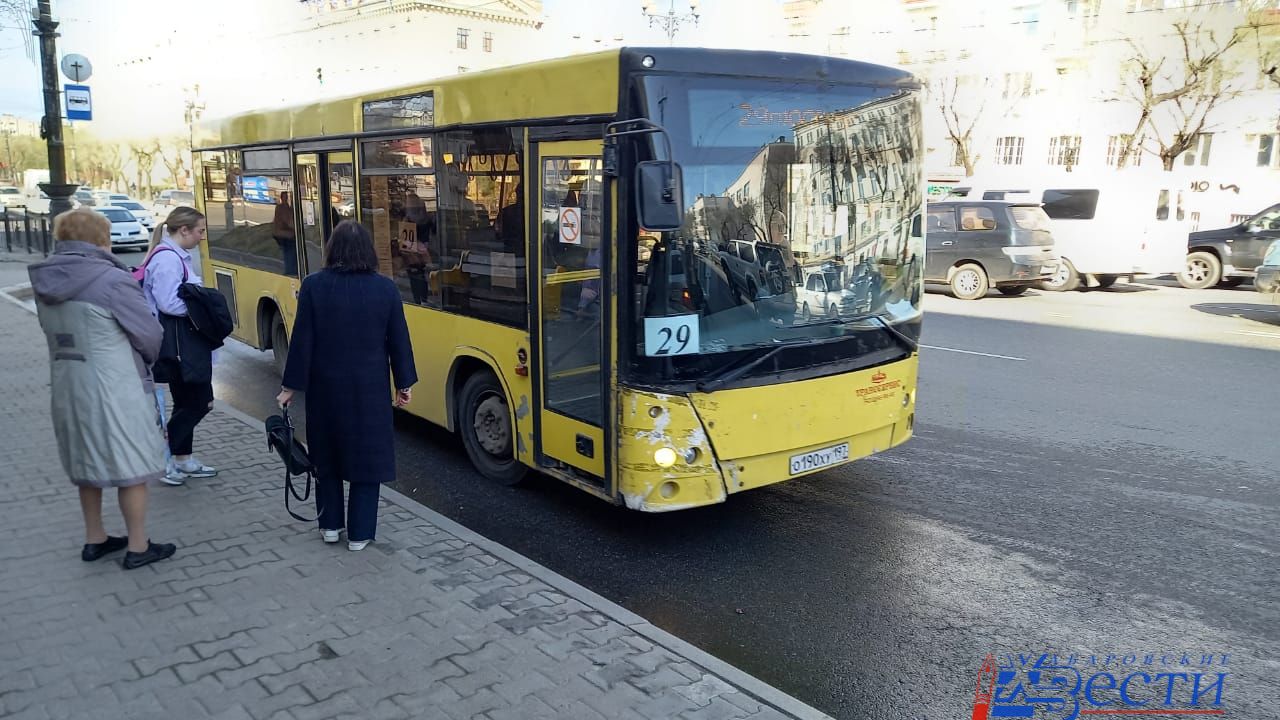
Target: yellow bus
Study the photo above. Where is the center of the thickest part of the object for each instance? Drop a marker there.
(602, 257)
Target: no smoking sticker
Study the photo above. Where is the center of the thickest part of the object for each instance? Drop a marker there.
(571, 225)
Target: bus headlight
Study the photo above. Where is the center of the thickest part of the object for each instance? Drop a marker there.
(665, 457)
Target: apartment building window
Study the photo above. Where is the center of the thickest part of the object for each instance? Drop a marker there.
(1016, 85)
(1009, 150)
(1064, 150)
(488, 42)
(463, 35)
(1269, 150)
(1198, 153)
(1029, 18)
(1115, 147)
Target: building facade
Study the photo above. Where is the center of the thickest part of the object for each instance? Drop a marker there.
(1043, 87)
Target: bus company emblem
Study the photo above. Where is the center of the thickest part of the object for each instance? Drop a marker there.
(879, 389)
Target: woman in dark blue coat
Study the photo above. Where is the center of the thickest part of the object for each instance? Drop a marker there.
(348, 339)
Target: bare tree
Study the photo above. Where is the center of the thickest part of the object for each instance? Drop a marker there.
(959, 119)
(1179, 90)
(174, 157)
(144, 159)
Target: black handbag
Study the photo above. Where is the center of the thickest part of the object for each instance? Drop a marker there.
(282, 439)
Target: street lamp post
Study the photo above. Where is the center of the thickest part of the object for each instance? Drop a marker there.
(194, 109)
(57, 189)
(669, 21)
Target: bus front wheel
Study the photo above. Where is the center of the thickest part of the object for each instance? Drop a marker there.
(484, 421)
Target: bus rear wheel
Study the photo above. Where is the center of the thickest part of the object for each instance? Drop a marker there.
(279, 342)
(484, 421)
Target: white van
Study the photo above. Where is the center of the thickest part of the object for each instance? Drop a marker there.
(1122, 227)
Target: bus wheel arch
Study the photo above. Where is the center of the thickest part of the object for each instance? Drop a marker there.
(480, 410)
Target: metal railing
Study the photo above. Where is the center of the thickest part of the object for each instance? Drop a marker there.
(26, 229)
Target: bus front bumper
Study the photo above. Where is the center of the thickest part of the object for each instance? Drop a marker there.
(678, 451)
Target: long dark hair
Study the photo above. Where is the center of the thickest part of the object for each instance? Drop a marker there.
(350, 249)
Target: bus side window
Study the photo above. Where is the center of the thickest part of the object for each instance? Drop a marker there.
(483, 224)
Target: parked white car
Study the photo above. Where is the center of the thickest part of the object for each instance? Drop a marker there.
(139, 211)
(823, 294)
(170, 199)
(10, 195)
(126, 232)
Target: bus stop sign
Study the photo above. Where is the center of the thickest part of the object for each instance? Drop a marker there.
(79, 103)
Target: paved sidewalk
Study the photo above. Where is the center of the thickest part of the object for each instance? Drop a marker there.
(256, 618)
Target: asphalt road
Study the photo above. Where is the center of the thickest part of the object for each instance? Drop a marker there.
(1093, 472)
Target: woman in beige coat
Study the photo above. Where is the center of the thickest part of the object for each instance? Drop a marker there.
(102, 340)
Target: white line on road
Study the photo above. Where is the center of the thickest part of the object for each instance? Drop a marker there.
(971, 352)
(1258, 333)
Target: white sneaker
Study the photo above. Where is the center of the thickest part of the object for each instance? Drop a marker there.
(330, 536)
(173, 477)
(193, 468)
(357, 545)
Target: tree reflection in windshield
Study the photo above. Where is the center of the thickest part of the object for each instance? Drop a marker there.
(800, 200)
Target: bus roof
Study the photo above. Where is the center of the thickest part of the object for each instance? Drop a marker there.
(575, 86)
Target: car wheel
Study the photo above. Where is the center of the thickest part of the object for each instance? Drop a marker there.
(1203, 270)
(1064, 279)
(805, 314)
(484, 421)
(1012, 290)
(833, 312)
(1230, 282)
(1106, 281)
(279, 342)
(969, 282)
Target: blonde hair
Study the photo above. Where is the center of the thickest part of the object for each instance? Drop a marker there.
(84, 225)
(178, 218)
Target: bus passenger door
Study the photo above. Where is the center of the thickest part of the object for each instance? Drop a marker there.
(570, 235)
(326, 196)
(306, 169)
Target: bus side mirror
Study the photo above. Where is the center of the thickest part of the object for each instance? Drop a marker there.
(659, 195)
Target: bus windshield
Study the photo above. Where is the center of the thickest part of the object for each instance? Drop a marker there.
(799, 201)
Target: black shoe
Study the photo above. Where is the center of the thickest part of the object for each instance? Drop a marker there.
(154, 552)
(93, 551)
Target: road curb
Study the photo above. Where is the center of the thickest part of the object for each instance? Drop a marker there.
(749, 684)
(8, 293)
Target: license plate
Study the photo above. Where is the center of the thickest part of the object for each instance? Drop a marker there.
(1049, 269)
(825, 457)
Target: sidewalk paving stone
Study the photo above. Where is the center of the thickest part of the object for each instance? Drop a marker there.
(255, 618)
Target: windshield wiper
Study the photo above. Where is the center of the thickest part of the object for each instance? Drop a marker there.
(733, 372)
(903, 339)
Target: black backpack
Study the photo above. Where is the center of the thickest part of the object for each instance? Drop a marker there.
(282, 439)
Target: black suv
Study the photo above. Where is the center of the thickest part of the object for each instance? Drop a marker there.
(973, 245)
(1230, 255)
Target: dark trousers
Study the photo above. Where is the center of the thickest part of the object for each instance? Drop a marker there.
(190, 405)
(362, 508)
